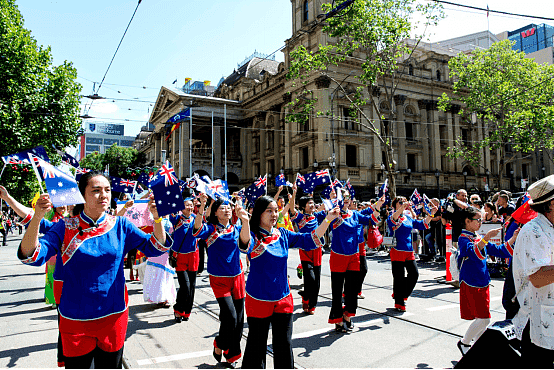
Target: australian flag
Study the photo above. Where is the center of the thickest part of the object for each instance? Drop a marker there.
(23, 157)
(300, 181)
(122, 185)
(384, 190)
(326, 193)
(165, 186)
(218, 189)
(428, 205)
(316, 178)
(80, 172)
(350, 188)
(280, 180)
(69, 160)
(416, 200)
(62, 188)
(143, 178)
(332, 203)
(256, 190)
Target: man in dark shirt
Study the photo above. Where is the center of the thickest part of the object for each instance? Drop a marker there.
(460, 203)
(505, 208)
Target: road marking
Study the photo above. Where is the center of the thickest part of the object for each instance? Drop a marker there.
(182, 356)
(446, 307)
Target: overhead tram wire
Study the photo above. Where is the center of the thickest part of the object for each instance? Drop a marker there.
(113, 57)
(492, 11)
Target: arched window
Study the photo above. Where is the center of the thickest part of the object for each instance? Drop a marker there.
(438, 75)
(305, 11)
(411, 70)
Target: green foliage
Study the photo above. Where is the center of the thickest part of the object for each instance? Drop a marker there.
(39, 102)
(22, 183)
(511, 93)
(119, 158)
(370, 33)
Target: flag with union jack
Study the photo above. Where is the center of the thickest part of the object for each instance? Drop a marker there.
(23, 157)
(350, 189)
(167, 194)
(417, 202)
(62, 188)
(256, 190)
(122, 185)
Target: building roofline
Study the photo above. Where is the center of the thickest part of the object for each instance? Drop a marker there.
(201, 97)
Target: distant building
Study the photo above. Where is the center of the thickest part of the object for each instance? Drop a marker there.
(100, 136)
(534, 40)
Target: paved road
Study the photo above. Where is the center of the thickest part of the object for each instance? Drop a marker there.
(423, 337)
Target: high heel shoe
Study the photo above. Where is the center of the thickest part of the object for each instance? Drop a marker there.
(216, 356)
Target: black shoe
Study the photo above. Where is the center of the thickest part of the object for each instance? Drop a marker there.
(349, 325)
(216, 356)
(229, 365)
(178, 319)
(463, 347)
(341, 328)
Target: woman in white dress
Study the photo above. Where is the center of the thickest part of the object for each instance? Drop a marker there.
(159, 277)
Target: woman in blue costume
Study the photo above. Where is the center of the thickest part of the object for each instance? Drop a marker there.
(91, 246)
(223, 240)
(268, 296)
(403, 264)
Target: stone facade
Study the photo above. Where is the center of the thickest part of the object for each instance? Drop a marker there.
(260, 140)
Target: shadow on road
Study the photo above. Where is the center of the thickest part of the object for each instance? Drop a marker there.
(20, 352)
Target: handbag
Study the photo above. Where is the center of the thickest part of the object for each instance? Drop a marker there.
(172, 259)
(374, 238)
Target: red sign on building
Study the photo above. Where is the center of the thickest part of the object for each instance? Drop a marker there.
(528, 33)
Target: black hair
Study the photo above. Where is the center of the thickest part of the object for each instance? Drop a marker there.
(215, 206)
(396, 200)
(83, 183)
(469, 212)
(259, 207)
(303, 201)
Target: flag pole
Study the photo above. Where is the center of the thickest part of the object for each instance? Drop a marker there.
(3, 168)
(37, 174)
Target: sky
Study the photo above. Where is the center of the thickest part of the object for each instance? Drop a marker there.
(203, 40)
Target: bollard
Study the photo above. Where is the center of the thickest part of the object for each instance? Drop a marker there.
(448, 253)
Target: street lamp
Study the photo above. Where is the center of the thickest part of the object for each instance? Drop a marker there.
(465, 179)
(512, 185)
(438, 175)
(543, 171)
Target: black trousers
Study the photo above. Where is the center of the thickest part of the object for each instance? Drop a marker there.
(348, 282)
(312, 282)
(533, 356)
(185, 295)
(61, 357)
(231, 317)
(97, 359)
(5, 235)
(402, 284)
(201, 252)
(256, 345)
(363, 272)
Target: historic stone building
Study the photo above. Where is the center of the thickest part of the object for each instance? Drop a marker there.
(252, 137)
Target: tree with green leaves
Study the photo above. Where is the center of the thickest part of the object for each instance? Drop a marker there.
(120, 159)
(375, 37)
(39, 102)
(511, 94)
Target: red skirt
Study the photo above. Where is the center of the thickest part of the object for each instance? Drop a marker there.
(474, 302)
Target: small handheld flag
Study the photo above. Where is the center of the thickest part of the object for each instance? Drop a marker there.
(62, 188)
